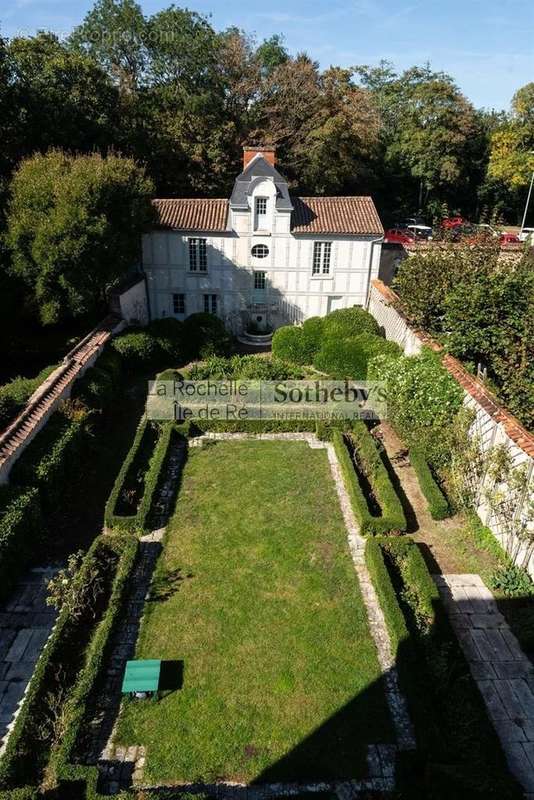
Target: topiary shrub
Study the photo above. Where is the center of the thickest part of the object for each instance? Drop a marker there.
(204, 336)
(348, 322)
(290, 344)
(137, 349)
(349, 358)
(313, 330)
(169, 334)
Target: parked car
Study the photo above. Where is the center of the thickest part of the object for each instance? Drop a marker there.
(420, 231)
(399, 236)
(509, 238)
(526, 233)
(490, 230)
(450, 223)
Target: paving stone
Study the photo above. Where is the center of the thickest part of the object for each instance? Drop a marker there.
(20, 643)
(508, 730)
(487, 621)
(509, 698)
(482, 670)
(519, 764)
(492, 699)
(20, 671)
(492, 645)
(524, 695)
(512, 669)
(513, 645)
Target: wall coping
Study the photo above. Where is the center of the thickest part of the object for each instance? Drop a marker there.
(473, 386)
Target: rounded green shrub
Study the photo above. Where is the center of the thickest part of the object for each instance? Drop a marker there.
(205, 335)
(313, 330)
(169, 334)
(137, 349)
(290, 344)
(348, 322)
(349, 358)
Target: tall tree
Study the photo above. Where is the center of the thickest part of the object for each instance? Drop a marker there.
(73, 228)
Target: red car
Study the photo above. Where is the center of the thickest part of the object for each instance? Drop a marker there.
(509, 238)
(399, 236)
(452, 222)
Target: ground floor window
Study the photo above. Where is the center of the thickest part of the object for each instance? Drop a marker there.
(210, 303)
(178, 303)
(259, 280)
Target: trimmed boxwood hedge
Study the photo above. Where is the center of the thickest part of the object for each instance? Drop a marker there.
(253, 426)
(61, 767)
(437, 502)
(349, 358)
(22, 533)
(290, 343)
(137, 523)
(50, 458)
(395, 622)
(68, 633)
(392, 517)
(347, 322)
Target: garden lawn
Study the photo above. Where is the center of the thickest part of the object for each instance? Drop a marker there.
(256, 592)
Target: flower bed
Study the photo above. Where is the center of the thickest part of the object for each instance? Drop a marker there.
(74, 647)
(140, 474)
(374, 500)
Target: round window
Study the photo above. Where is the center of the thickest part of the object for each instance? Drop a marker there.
(260, 251)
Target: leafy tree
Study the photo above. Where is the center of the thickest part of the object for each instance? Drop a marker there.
(73, 228)
(271, 54)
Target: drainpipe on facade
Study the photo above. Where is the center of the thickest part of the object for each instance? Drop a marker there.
(371, 253)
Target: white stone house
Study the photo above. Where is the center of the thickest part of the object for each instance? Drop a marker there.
(263, 256)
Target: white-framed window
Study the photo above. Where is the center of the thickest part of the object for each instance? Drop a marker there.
(259, 280)
(198, 256)
(210, 303)
(260, 251)
(321, 258)
(260, 207)
(178, 303)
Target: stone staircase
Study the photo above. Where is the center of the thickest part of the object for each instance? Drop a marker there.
(45, 399)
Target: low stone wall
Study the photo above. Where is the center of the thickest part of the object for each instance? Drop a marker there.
(57, 387)
(492, 424)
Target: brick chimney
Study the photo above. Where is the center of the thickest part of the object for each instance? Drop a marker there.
(268, 152)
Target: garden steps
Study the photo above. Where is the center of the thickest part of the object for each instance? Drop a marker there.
(44, 399)
(502, 671)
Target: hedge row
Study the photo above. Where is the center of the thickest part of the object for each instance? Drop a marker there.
(22, 533)
(66, 643)
(253, 426)
(51, 457)
(137, 523)
(437, 502)
(392, 517)
(99, 385)
(395, 622)
(61, 767)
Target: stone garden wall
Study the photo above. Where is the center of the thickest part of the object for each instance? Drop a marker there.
(493, 424)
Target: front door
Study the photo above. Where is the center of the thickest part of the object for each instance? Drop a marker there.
(259, 287)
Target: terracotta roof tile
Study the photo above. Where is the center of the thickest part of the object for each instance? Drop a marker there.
(192, 215)
(349, 215)
(341, 215)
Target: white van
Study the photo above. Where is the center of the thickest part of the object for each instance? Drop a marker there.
(526, 233)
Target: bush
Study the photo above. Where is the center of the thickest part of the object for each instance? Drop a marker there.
(395, 622)
(313, 329)
(15, 394)
(437, 502)
(108, 563)
(346, 323)
(137, 349)
(423, 400)
(291, 344)
(169, 335)
(252, 426)
(50, 459)
(204, 336)
(244, 368)
(22, 533)
(151, 470)
(349, 358)
(392, 515)
(61, 766)
(512, 581)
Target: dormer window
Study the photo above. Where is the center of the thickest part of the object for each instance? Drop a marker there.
(260, 207)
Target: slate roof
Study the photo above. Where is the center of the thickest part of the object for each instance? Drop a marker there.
(354, 216)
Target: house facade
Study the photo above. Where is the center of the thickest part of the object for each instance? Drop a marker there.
(263, 257)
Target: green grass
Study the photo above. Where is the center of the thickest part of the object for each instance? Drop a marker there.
(256, 592)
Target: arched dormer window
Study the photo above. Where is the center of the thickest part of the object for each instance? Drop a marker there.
(260, 213)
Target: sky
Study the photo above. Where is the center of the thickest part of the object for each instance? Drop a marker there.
(486, 45)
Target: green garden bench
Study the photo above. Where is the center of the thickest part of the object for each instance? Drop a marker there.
(141, 676)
